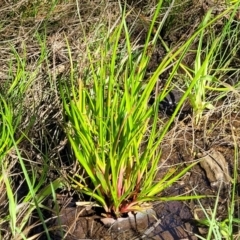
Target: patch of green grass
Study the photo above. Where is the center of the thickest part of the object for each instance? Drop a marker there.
(107, 121)
(115, 134)
(212, 64)
(212, 61)
(223, 229)
(17, 117)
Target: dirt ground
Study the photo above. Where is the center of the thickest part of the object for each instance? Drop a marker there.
(212, 141)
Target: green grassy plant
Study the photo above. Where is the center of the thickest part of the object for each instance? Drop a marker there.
(201, 68)
(115, 134)
(218, 229)
(212, 63)
(13, 97)
(9, 123)
(107, 123)
(223, 229)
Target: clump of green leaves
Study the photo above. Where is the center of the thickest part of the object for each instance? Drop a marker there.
(213, 62)
(107, 123)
